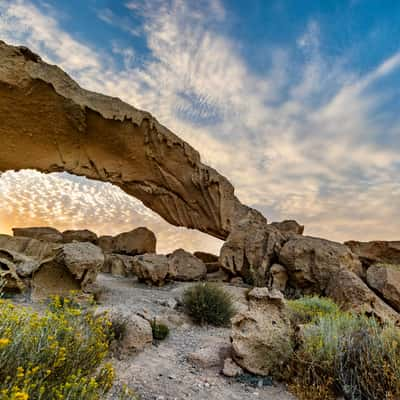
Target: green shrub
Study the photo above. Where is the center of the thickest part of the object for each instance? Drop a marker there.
(208, 303)
(160, 331)
(349, 354)
(309, 308)
(57, 354)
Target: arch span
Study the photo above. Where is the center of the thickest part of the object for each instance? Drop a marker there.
(49, 123)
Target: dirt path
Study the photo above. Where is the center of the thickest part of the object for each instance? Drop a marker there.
(164, 372)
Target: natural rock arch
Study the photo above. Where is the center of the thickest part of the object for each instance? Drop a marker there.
(49, 123)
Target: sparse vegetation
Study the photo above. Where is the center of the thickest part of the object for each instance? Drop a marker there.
(160, 330)
(55, 355)
(208, 303)
(342, 353)
(395, 267)
(309, 308)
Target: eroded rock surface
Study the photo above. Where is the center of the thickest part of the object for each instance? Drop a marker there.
(40, 233)
(376, 252)
(312, 263)
(153, 268)
(385, 280)
(79, 235)
(351, 293)
(261, 335)
(186, 266)
(49, 268)
(251, 247)
(138, 241)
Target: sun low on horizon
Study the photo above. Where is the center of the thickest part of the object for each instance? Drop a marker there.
(299, 112)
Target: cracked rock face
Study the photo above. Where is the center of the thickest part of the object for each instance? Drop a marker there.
(49, 123)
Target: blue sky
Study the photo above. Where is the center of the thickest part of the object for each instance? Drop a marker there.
(295, 101)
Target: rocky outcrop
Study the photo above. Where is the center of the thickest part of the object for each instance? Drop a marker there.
(385, 280)
(49, 268)
(79, 235)
(376, 252)
(261, 336)
(186, 267)
(138, 241)
(352, 294)
(40, 233)
(153, 269)
(289, 226)
(311, 263)
(83, 260)
(49, 123)
(251, 248)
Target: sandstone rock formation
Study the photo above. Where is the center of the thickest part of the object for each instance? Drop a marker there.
(106, 243)
(352, 294)
(385, 280)
(210, 260)
(83, 260)
(49, 123)
(79, 235)
(153, 268)
(138, 241)
(376, 252)
(251, 247)
(41, 233)
(261, 335)
(289, 226)
(49, 268)
(279, 277)
(312, 263)
(186, 266)
(118, 264)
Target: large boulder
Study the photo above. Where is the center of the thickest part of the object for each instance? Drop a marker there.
(376, 251)
(251, 248)
(153, 269)
(118, 264)
(83, 260)
(186, 266)
(40, 233)
(312, 262)
(210, 260)
(261, 335)
(385, 280)
(352, 294)
(79, 235)
(138, 241)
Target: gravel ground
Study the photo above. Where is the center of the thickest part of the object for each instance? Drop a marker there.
(163, 371)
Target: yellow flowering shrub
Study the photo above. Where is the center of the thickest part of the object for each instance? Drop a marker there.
(55, 355)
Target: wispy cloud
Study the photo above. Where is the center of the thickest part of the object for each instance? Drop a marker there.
(297, 141)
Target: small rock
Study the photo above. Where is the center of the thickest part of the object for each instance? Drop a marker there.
(231, 369)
